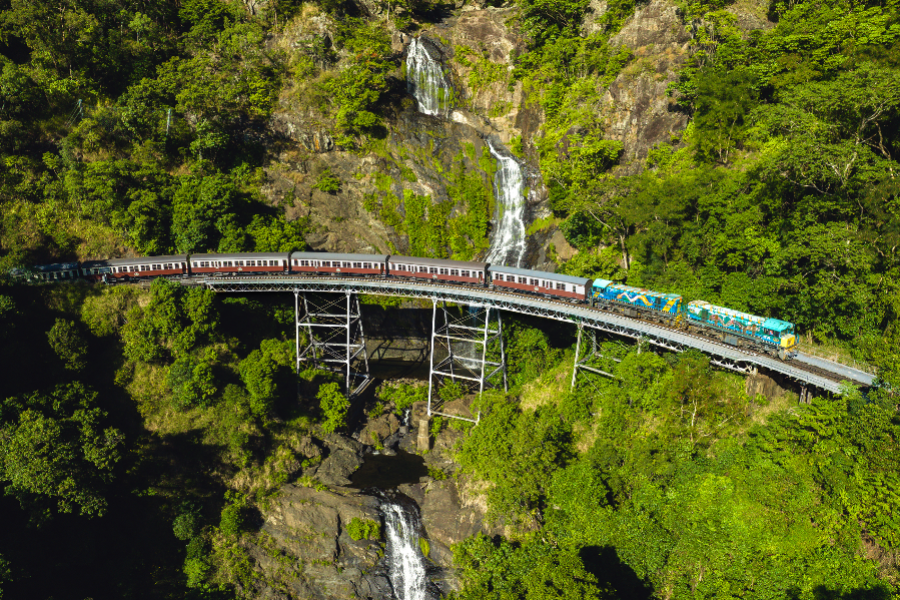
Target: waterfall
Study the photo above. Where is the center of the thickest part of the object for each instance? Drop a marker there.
(425, 80)
(406, 565)
(508, 243)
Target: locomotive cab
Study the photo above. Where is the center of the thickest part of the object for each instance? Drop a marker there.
(783, 333)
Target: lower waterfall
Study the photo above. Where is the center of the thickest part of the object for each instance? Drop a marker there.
(508, 243)
(406, 565)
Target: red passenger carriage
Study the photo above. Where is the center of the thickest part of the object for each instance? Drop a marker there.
(437, 269)
(333, 263)
(540, 282)
(245, 262)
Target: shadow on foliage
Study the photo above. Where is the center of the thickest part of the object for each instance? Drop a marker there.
(131, 551)
(879, 592)
(605, 564)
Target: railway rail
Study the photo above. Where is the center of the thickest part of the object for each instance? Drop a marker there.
(807, 371)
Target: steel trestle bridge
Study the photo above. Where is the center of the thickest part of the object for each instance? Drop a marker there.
(806, 371)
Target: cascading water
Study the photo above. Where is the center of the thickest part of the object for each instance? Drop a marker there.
(508, 243)
(406, 565)
(425, 80)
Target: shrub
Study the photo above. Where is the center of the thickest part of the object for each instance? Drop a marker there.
(403, 395)
(328, 183)
(186, 525)
(232, 521)
(359, 529)
(334, 406)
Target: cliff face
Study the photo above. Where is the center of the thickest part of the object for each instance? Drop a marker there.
(429, 156)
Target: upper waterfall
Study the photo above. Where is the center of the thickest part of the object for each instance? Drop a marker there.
(425, 80)
(508, 241)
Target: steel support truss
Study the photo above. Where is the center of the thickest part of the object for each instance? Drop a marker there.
(472, 352)
(588, 355)
(335, 338)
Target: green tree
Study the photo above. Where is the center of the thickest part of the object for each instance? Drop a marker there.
(259, 373)
(334, 406)
(517, 451)
(69, 345)
(55, 454)
(192, 382)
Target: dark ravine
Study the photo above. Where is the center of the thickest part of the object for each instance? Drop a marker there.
(304, 549)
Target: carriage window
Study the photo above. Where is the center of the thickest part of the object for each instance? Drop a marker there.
(533, 282)
(442, 271)
(454, 272)
(423, 269)
(464, 273)
(367, 265)
(561, 286)
(357, 265)
(521, 280)
(433, 270)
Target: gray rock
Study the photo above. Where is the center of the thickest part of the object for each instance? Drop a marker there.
(342, 457)
(304, 551)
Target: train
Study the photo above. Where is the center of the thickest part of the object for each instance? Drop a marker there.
(768, 335)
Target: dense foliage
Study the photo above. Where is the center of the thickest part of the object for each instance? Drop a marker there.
(668, 481)
(127, 125)
(780, 197)
(142, 429)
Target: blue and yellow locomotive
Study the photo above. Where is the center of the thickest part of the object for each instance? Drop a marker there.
(733, 327)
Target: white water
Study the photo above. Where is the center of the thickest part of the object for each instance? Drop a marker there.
(406, 564)
(508, 243)
(425, 80)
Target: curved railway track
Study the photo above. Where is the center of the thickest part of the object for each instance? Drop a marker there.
(666, 336)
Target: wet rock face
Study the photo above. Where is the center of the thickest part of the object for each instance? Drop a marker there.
(305, 550)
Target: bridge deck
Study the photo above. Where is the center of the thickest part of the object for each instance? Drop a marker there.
(821, 374)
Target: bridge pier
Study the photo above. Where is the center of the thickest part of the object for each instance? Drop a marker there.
(586, 353)
(336, 340)
(467, 340)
